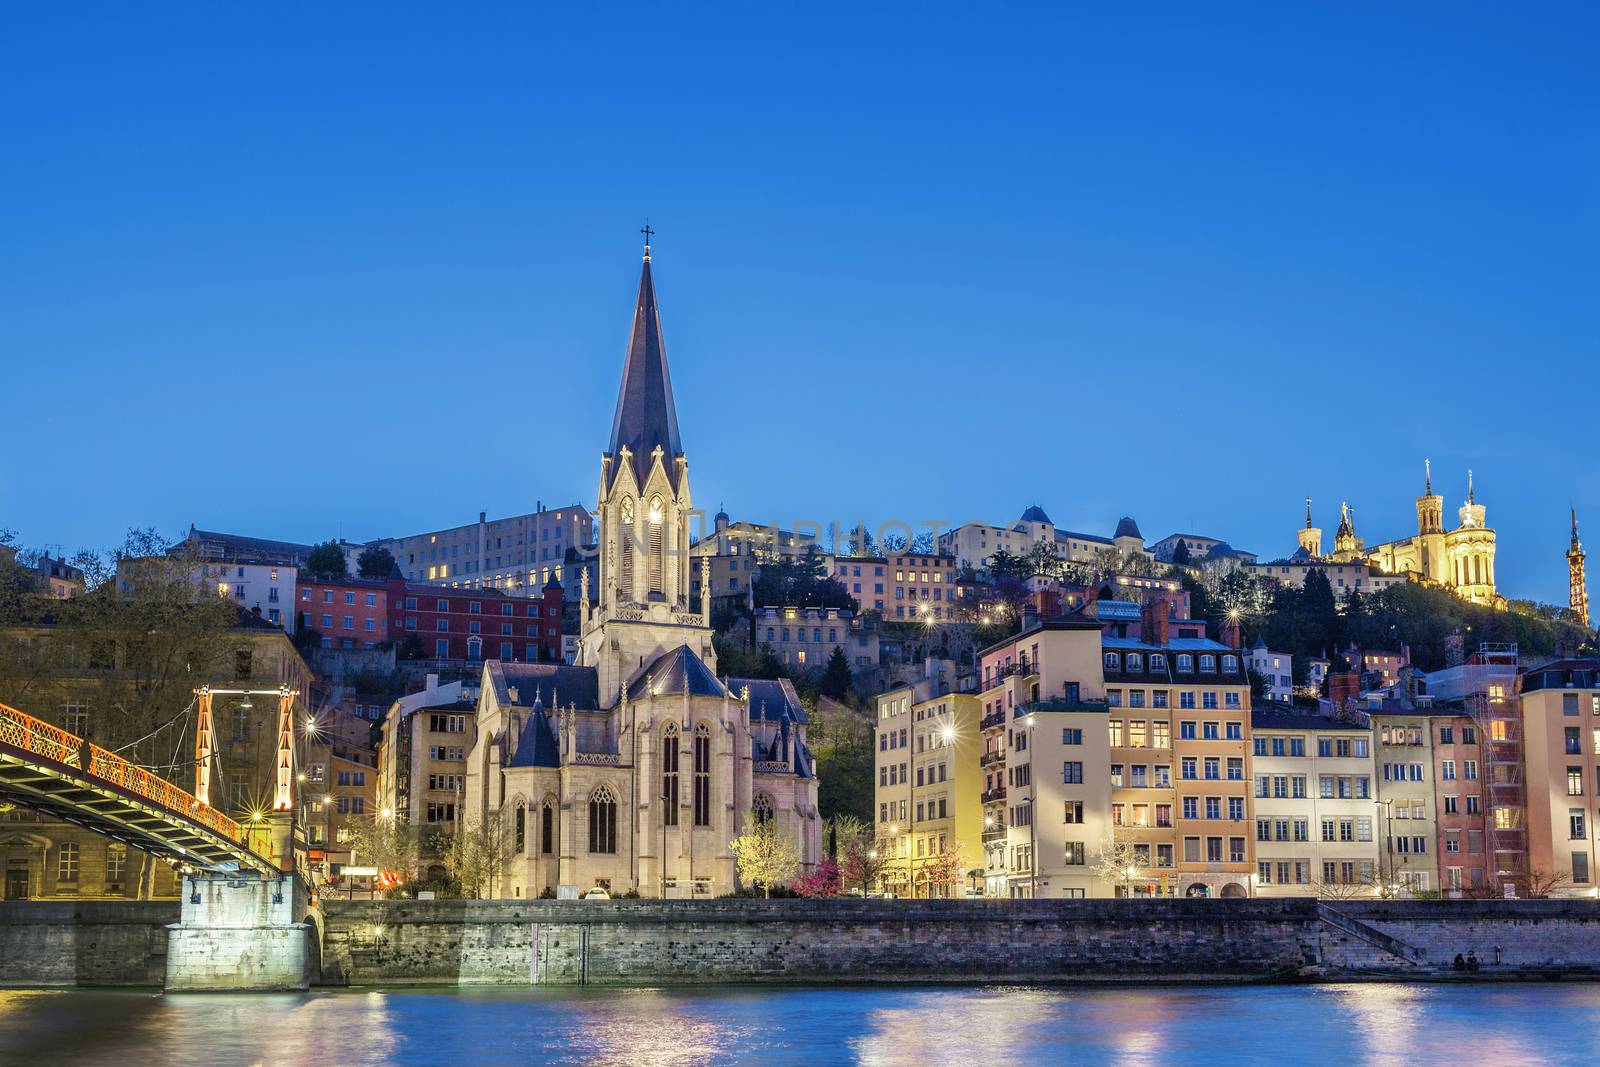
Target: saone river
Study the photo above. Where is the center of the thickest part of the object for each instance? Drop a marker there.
(970, 1026)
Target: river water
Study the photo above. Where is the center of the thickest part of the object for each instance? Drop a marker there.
(972, 1026)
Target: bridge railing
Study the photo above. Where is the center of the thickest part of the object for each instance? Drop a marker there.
(40, 738)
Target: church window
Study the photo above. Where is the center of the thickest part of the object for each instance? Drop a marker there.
(547, 828)
(762, 808)
(702, 775)
(626, 548)
(669, 775)
(522, 829)
(656, 561)
(603, 821)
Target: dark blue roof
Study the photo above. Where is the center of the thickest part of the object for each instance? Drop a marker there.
(646, 417)
(1126, 527)
(675, 673)
(1034, 514)
(537, 747)
(548, 685)
(771, 700)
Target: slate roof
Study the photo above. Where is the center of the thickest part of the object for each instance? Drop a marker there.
(1034, 514)
(675, 673)
(645, 415)
(1281, 718)
(546, 684)
(1126, 527)
(771, 700)
(537, 747)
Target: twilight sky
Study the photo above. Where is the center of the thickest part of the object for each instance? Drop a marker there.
(367, 270)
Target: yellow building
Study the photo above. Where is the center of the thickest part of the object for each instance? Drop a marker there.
(927, 795)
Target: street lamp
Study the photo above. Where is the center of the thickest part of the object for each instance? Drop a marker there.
(1128, 888)
(1388, 838)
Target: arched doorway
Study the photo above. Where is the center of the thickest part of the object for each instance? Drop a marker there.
(1232, 889)
(1198, 889)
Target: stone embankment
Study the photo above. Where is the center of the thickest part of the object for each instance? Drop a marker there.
(791, 941)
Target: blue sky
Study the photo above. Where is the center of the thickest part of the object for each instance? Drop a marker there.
(305, 273)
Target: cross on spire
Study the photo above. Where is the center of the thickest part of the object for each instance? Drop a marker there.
(648, 233)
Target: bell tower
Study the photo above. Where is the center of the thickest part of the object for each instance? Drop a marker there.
(1311, 536)
(1579, 598)
(644, 506)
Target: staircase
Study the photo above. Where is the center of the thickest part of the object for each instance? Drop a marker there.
(1348, 944)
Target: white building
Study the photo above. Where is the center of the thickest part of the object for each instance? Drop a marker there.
(519, 555)
(265, 589)
(1277, 668)
(974, 542)
(1315, 810)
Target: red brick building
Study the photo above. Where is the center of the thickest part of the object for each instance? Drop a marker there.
(345, 612)
(472, 625)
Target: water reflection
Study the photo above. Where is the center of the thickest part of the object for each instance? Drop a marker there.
(878, 1027)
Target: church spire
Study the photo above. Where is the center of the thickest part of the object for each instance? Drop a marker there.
(1427, 464)
(1308, 513)
(646, 418)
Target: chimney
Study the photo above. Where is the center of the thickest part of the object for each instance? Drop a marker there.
(430, 683)
(1030, 616)
(1343, 686)
(1156, 623)
(1232, 633)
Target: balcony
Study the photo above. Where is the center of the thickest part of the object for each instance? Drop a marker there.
(991, 795)
(997, 718)
(991, 837)
(989, 759)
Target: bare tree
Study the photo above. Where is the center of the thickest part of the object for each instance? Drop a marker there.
(1117, 860)
(943, 869)
(477, 853)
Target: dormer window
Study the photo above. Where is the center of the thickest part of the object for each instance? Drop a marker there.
(1230, 664)
(1208, 664)
(1113, 661)
(1185, 663)
(1158, 661)
(1135, 661)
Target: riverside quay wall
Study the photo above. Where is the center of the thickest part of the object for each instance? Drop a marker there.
(629, 942)
(674, 942)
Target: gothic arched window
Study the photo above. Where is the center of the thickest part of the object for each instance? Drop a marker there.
(669, 775)
(547, 828)
(762, 808)
(521, 827)
(657, 565)
(702, 775)
(626, 546)
(603, 820)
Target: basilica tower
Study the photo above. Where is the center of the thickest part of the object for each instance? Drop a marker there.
(1431, 558)
(1579, 598)
(644, 506)
(1310, 537)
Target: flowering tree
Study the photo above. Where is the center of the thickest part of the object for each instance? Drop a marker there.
(765, 854)
(860, 862)
(943, 869)
(822, 882)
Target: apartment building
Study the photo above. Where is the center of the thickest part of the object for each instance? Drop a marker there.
(429, 622)
(1173, 681)
(974, 543)
(344, 612)
(927, 795)
(1560, 712)
(732, 553)
(1042, 698)
(1407, 789)
(1315, 804)
(519, 554)
(1276, 670)
(805, 637)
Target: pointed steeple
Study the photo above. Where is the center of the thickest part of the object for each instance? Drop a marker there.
(1427, 477)
(1308, 513)
(646, 418)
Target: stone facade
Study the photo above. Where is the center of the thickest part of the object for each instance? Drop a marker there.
(634, 769)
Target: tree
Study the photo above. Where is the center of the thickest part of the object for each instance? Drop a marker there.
(765, 855)
(1337, 890)
(823, 882)
(1117, 861)
(1180, 557)
(375, 561)
(390, 844)
(860, 862)
(799, 581)
(836, 677)
(944, 869)
(844, 771)
(327, 561)
(477, 853)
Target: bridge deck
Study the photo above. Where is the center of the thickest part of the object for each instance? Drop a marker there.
(40, 768)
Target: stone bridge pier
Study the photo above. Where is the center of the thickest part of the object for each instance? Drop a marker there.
(243, 931)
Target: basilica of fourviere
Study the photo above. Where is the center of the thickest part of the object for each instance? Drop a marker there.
(1461, 560)
(634, 768)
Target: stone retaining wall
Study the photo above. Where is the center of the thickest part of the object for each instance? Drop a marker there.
(84, 943)
(648, 942)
